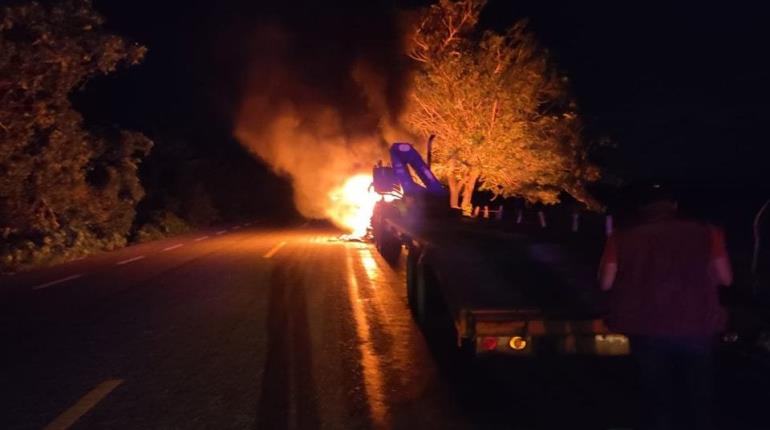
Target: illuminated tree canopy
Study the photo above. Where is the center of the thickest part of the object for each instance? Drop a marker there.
(62, 187)
(502, 114)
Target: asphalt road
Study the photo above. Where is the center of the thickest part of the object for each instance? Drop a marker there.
(256, 327)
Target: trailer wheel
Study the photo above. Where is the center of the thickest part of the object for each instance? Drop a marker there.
(389, 246)
(411, 278)
(430, 312)
(467, 350)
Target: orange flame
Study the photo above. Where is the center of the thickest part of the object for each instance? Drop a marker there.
(351, 204)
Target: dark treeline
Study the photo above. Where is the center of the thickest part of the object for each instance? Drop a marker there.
(72, 181)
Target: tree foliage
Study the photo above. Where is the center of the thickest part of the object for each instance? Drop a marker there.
(63, 189)
(502, 113)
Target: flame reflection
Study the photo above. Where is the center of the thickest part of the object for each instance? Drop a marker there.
(373, 378)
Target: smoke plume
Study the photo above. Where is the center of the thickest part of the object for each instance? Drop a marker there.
(323, 97)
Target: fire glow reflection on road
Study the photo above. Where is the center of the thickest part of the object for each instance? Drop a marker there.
(371, 267)
(385, 304)
(373, 379)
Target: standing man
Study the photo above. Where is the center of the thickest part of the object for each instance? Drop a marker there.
(662, 275)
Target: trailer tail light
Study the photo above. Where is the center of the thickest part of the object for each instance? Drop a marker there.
(489, 343)
(611, 344)
(517, 343)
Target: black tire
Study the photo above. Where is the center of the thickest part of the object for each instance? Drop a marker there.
(435, 320)
(431, 312)
(412, 258)
(377, 233)
(420, 297)
(467, 350)
(390, 246)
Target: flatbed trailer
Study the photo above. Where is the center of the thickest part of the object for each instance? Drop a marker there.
(500, 292)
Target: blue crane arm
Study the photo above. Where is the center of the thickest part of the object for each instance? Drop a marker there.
(403, 155)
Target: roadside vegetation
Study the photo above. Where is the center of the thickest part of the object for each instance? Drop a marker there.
(64, 190)
(68, 187)
(501, 111)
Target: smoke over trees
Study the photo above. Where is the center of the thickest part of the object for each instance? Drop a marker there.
(63, 189)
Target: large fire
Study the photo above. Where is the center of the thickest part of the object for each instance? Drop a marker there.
(352, 204)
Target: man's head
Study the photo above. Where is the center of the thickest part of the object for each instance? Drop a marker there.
(654, 201)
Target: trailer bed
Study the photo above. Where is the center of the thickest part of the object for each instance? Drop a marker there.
(486, 269)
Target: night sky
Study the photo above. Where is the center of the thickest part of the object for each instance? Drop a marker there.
(681, 91)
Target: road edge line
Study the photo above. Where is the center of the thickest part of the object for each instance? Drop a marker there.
(57, 282)
(70, 416)
(131, 260)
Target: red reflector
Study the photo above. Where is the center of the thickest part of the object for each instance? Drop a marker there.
(489, 343)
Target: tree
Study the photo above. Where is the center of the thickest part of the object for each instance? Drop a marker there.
(61, 186)
(501, 112)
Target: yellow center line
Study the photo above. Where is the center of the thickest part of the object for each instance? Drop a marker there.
(85, 404)
(373, 379)
(274, 250)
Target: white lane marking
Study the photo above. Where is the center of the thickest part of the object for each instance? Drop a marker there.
(221, 232)
(56, 282)
(201, 238)
(130, 260)
(275, 249)
(85, 404)
(178, 245)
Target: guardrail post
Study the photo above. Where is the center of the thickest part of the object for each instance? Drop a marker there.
(575, 222)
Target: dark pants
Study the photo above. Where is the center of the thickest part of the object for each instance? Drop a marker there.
(677, 381)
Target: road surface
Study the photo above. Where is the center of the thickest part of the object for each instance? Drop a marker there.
(270, 328)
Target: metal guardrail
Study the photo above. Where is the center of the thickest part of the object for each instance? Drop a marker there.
(486, 212)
